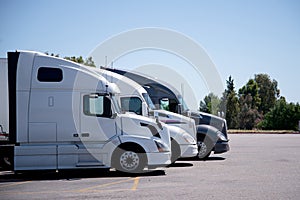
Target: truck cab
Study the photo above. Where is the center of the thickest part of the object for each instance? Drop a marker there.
(62, 116)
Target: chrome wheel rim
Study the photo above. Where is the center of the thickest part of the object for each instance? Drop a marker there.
(202, 150)
(129, 160)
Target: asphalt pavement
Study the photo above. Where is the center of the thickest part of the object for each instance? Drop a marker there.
(256, 167)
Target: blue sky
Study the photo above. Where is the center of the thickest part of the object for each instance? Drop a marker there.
(242, 38)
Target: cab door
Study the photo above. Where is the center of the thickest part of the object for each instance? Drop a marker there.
(97, 123)
(97, 127)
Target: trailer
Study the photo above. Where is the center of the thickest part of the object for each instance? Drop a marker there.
(4, 126)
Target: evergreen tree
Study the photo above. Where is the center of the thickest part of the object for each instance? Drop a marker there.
(230, 104)
(248, 117)
(232, 110)
(230, 85)
(251, 88)
(88, 62)
(268, 92)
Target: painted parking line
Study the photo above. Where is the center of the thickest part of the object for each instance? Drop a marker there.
(135, 183)
(99, 188)
(95, 189)
(14, 184)
(105, 185)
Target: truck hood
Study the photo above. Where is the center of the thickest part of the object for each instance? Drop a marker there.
(134, 124)
(180, 121)
(212, 120)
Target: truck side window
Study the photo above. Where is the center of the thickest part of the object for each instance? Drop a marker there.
(47, 74)
(131, 104)
(97, 105)
(173, 105)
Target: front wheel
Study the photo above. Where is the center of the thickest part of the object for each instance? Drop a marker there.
(129, 161)
(175, 151)
(204, 149)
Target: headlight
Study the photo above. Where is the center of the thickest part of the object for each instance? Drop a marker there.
(189, 139)
(221, 136)
(161, 146)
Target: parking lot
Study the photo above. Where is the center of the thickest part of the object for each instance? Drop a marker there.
(256, 167)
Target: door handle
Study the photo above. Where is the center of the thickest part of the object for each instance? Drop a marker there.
(85, 135)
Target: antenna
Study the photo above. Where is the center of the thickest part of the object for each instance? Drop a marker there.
(112, 66)
(180, 109)
(182, 90)
(105, 74)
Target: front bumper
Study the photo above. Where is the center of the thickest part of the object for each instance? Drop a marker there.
(159, 159)
(188, 150)
(221, 147)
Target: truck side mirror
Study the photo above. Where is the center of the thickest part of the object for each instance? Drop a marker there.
(114, 116)
(189, 113)
(155, 114)
(145, 110)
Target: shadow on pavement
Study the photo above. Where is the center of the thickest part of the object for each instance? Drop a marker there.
(211, 158)
(181, 164)
(8, 176)
(214, 159)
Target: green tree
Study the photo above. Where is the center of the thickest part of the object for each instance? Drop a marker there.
(283, 116)
(248, 117)
(88, 62)
(249, 101)
(251, 88)
(256, 98)
(52, 54)
(230, 105)
(75, 59)
(232, 110)
(204, 107)
(230, 85)
(268, 92)
(210, 104)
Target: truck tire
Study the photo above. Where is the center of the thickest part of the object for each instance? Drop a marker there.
(204, 149)
(129, 160)
(5, 164)
(175, 151)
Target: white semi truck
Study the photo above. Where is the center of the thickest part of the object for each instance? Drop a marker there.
(62, 116)
(134, 98)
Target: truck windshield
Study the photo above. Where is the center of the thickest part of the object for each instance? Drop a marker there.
(184, 106)
(148, 101)
(115, 104)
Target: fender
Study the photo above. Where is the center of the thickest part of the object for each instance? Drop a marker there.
(146, 143)
(207, 132)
